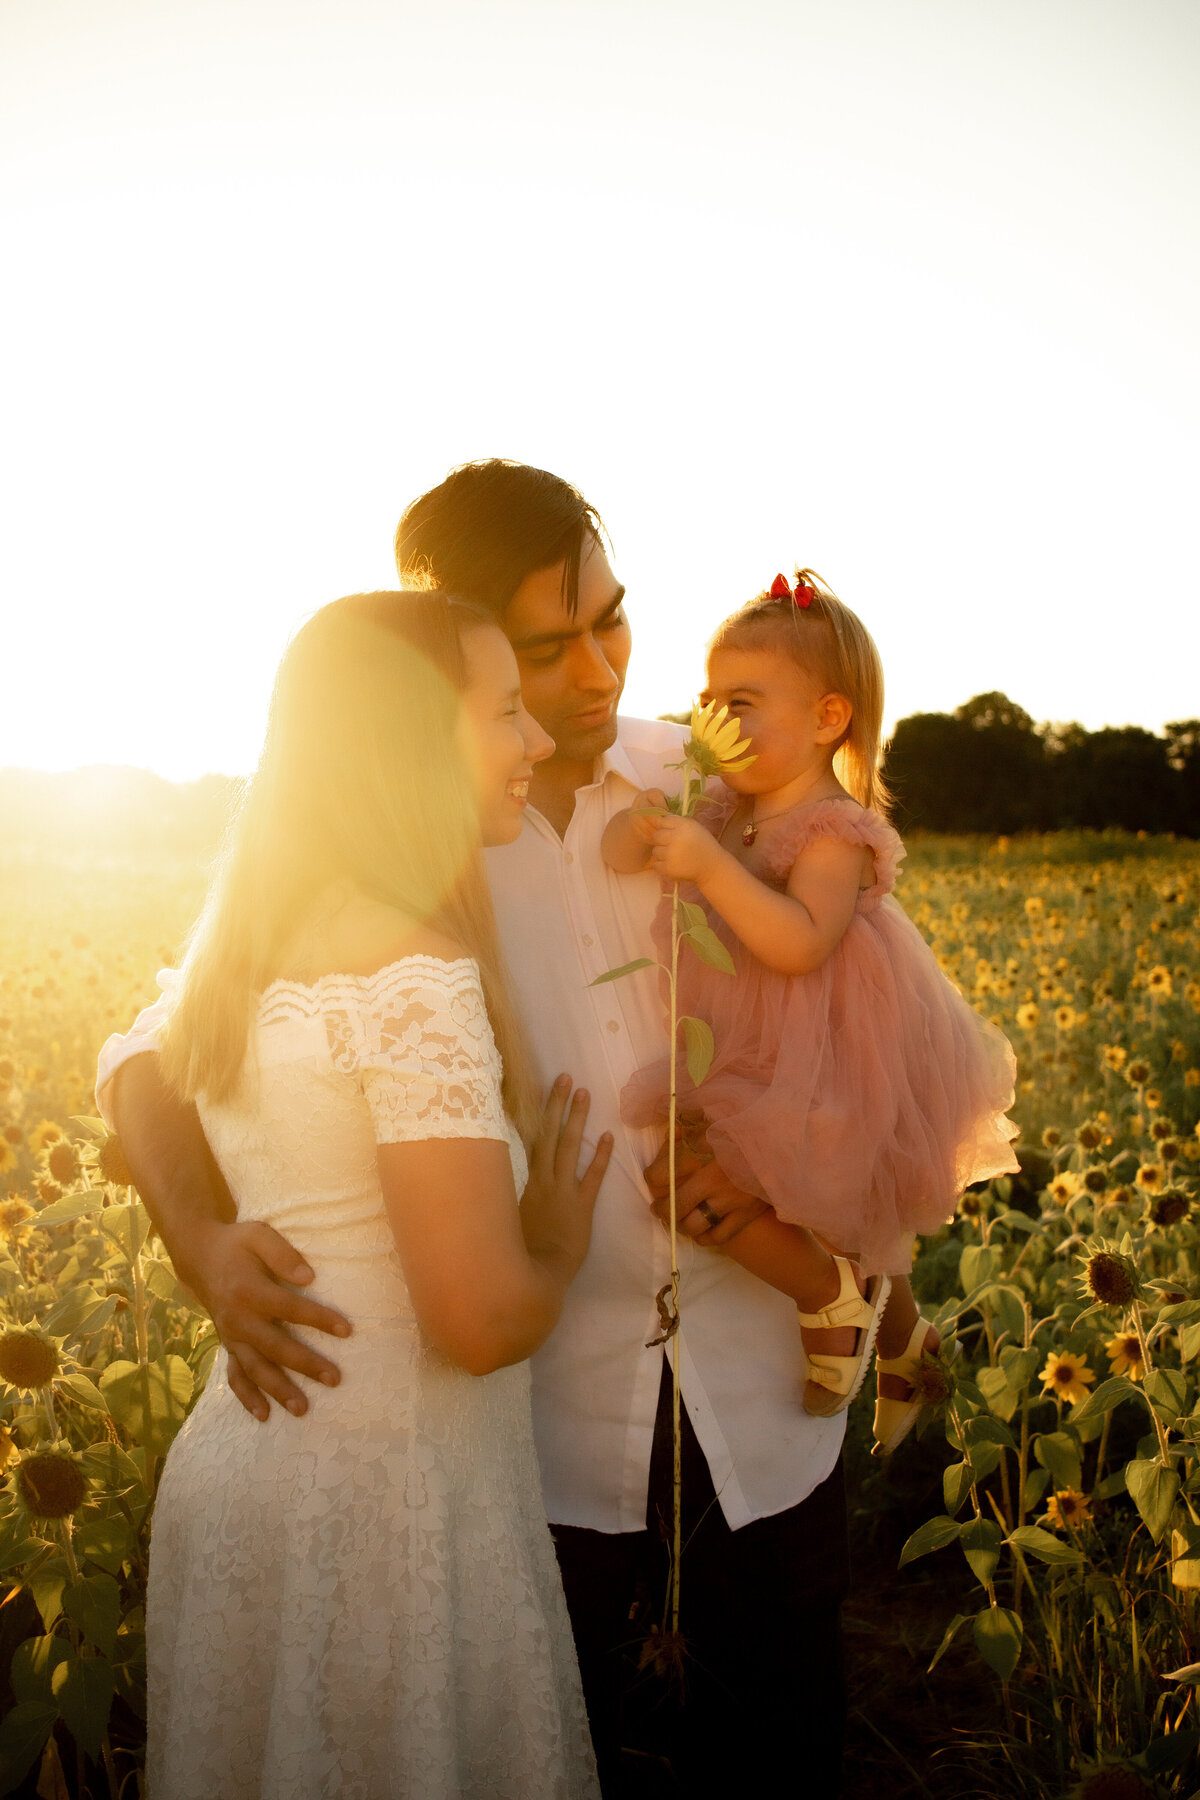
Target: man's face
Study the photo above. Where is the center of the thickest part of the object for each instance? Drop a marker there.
(572, 669)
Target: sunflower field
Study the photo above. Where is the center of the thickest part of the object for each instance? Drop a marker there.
(1055, 1481)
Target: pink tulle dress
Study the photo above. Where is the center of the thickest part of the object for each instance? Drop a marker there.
(859, 1100)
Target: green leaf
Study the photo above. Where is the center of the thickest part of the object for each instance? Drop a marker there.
(128, 1225)
(1110, 1393)
(956, 1485)
(1166, 1390)
(84, 1689)
(80, 1312)
(934, 1534)
(642, 962)
(947, 1639)
(1044, 1545)
(33, 1666)
(1111, 1486)
(150, 1400)
(1182, 1313)
(23, 1731)
(977, 1264)
(1036, 1483)
(981, 1540)
(1189, 1341)
(46, 1584)
(95, 1605)
(997, 1634)
(983, 1430)
(1153, 1490)
(984, 1457)
(112, 1467)
(80, 1389)
(998, 1391)
(1058, 1452)
(71, 1206)
(160, 1281)
(691, 915)
(709, 948)
(701, 1048)
(106, 1542)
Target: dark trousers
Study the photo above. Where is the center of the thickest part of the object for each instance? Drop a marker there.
(762, 1692)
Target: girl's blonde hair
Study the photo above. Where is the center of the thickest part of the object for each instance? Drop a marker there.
(362, 779)
(830, 642)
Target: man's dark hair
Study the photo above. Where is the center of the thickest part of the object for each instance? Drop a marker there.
(486, 527)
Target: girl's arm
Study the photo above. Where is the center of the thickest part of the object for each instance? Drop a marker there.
(792, 932)
(629, 835)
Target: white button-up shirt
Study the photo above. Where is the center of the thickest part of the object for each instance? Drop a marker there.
(565, 918)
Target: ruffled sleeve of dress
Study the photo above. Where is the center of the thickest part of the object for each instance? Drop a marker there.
(850, 823)
(417, 1037)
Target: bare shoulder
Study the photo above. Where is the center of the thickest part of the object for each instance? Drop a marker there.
(359, 936)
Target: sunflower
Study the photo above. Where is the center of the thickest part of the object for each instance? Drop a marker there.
(1063, 1188)
(1111, 1781)
(1137, 1073)
(14, 1214)
(1109, 1278)
(50, 1483)
(8, 1156)
(1089, 1135)
(1067, 1508)
(1150, 1178)
(62, 1164)
(716, 745)
(45, 1134)
(1124, 1353)
(1066, 1376)
(1064, 1018)
(1114, 1056)
(29, 1359)
(1158, 983)
(1027, 1016)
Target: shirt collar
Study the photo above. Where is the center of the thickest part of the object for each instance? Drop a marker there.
(615, 761)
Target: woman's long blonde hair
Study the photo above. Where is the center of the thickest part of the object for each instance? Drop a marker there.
(829, 641)
(362, 780)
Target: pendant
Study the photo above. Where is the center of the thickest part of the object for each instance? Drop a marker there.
(749, 834)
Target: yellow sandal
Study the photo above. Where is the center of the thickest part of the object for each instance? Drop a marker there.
(894, 1419)
(840, 1377)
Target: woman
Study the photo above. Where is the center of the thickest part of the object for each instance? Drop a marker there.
(364, 1602)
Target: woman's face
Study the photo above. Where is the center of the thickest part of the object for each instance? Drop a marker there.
(501, 740)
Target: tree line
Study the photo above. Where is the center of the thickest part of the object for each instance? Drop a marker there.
(988, 767)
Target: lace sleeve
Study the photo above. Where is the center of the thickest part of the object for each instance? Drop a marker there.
(418, 1038)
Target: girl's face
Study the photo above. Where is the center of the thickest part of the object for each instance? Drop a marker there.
(501, 740)
(791, 721)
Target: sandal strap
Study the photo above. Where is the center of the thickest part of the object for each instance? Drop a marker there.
(850, 1307)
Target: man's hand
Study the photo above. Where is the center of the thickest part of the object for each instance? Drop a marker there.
(238, 1271)
(708, 1207)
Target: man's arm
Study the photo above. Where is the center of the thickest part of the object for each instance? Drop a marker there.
(237, 1271)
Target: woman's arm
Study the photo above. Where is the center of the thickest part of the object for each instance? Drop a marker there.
(793, 932)
(487, 1279)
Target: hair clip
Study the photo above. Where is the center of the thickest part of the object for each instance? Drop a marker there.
(802, 596)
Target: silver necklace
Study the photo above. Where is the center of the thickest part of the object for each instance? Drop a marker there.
(750, 830)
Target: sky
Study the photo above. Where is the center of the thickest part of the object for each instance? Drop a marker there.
(905, 293)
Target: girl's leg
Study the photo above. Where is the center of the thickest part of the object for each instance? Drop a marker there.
(895, 1329)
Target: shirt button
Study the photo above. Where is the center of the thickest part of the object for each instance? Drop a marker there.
(588, 940)
(570, 856)
(613, 1026)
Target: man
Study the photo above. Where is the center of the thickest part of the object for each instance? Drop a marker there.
(763, 1569)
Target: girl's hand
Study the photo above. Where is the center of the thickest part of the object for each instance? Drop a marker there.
(556, 1207)
(682, 850)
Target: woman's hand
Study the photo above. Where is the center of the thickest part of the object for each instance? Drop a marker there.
(556, 1207)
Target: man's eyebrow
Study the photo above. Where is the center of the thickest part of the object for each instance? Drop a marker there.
(539, 639)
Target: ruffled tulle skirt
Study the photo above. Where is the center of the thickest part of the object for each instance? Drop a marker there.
(858, 1100)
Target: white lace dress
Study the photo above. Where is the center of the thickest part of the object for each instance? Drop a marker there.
(364, 1603)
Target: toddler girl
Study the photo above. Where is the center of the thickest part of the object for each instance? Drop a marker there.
(852, 1086)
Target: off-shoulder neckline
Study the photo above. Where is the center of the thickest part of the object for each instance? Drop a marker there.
(379, 976)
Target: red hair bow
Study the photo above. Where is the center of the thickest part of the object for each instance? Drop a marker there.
(802, 596)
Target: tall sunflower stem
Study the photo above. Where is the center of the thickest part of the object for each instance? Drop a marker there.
(673, 1223)
(1164, 1448)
